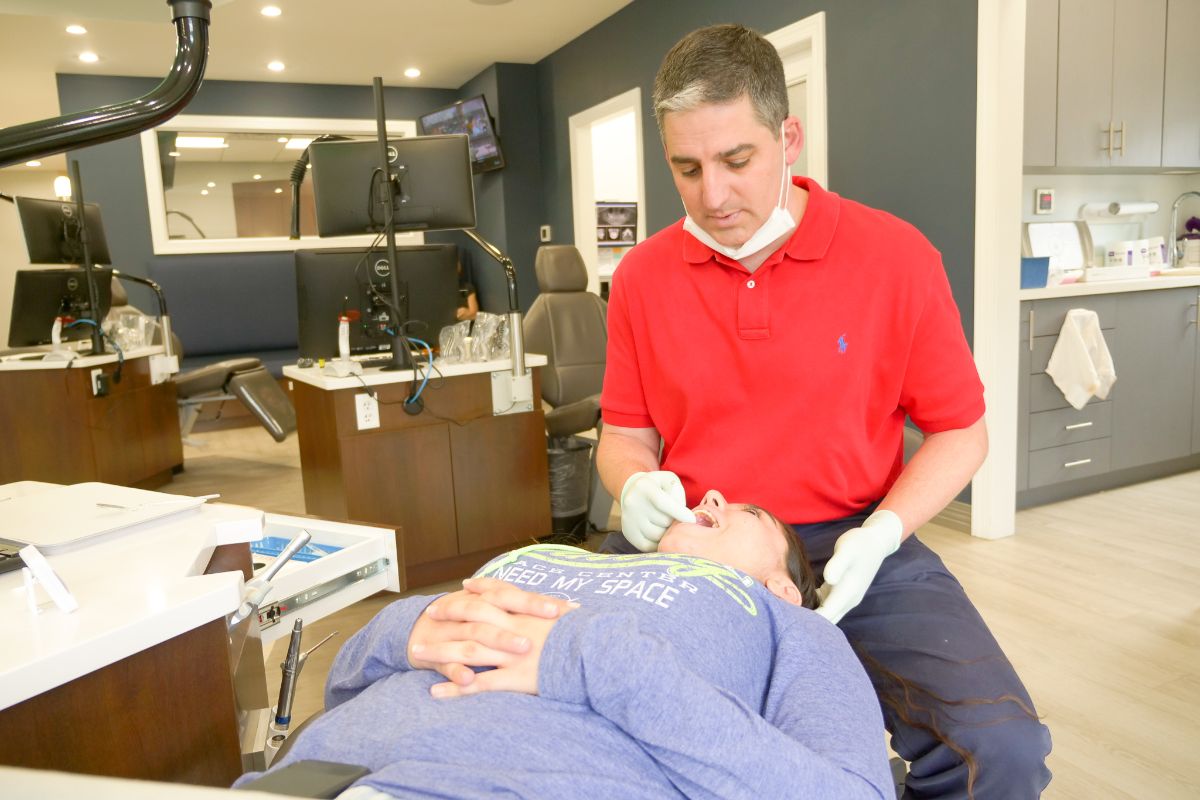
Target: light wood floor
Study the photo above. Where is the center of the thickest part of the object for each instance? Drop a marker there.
(1096, 601)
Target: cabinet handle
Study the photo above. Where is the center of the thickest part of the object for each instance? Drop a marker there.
(1078, 425)
(1031, 330)
(1122, 146)
(1078, 463)
(1109, 131)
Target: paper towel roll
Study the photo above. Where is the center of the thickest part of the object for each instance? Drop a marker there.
(1128, 209)
(1098, 210)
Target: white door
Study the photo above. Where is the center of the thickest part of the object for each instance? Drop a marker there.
(801, 47)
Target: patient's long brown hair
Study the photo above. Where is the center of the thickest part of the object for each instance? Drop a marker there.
(913, 704)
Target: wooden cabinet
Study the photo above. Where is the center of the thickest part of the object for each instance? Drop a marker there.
(1181, 95)
(1110, 83)
(1149, 425)
(55, 429)
(458, 483)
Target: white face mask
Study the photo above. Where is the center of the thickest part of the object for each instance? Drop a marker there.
(776, 225)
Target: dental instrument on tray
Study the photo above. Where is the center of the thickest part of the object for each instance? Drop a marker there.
(181, 499)
(256, 590)
(291, 666)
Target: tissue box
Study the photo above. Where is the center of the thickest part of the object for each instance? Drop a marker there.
(1034, 272)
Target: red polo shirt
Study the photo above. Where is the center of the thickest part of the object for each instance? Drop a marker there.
(788, 387)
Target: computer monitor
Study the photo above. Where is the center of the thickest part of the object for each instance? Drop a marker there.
(40, 295)
(435, 190)
(52, 230)
(472, 118)
(355, 281)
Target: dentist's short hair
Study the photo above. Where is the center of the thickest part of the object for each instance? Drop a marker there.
(719, 64)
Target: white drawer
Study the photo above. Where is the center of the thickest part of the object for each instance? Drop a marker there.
(366, 563)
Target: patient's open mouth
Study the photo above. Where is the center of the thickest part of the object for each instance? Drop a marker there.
(705, 518)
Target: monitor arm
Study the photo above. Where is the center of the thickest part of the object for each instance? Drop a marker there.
(516, 337)
(164, 319)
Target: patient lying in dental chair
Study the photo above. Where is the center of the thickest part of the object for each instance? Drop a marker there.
(697, 671)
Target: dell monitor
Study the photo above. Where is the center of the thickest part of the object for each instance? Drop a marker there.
(41, 295)
(433, 189)
(469, 117)
(356, 282)
(52, 231)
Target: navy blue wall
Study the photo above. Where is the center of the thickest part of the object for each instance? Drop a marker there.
(901, 87)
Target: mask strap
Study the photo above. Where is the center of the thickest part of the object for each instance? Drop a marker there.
(784, 183)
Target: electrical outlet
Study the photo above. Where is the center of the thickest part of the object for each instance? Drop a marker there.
(544, 234)
(99, 383)
(366, 409)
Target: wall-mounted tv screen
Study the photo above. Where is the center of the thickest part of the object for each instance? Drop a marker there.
(472, 118)
(616, 224)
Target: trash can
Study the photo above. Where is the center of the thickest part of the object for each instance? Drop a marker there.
(570, 461)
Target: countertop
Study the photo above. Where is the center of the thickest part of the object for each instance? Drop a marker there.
(375, 376)
(15, 362)
(136, 588)
(1111, 287)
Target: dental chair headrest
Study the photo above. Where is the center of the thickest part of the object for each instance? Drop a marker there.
(560, 268)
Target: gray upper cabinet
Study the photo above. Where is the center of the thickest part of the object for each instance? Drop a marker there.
(1041, 81)
(1111, 65)
(1181, 95)
(1155, 359)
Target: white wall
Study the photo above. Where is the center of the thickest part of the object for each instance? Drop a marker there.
(614, 173)
(23, 183)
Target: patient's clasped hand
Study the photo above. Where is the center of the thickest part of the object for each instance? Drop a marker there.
(690, 672)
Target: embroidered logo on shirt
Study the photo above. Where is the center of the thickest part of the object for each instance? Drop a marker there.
(842, 343)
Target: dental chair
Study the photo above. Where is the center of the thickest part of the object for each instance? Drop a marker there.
(569, 325)
(243, 379)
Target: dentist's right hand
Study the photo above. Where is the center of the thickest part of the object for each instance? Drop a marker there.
(650, 502)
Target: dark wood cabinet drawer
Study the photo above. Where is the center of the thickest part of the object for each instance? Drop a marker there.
(1069, 462)
(1068, 425)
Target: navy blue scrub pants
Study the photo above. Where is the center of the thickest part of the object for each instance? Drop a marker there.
(917, 623)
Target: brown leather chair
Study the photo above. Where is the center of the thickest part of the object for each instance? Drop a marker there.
(569, 325)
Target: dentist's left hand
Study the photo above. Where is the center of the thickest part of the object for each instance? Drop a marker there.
(486, 624)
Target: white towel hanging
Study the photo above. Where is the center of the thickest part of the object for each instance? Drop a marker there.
(1081, 365)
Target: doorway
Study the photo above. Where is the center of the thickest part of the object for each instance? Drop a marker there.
(608, 187)
(801, 47)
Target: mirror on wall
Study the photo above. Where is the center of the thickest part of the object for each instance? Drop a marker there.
(219, 184)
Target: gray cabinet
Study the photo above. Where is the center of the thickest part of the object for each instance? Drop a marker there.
(1041, 81)
(1194, 321)
(1155, 358)
(1181, 94)
(1110, 83)
(1151, 417)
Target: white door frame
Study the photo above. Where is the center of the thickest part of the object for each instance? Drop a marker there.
(999, 122)
(583, 195)
(801, 46)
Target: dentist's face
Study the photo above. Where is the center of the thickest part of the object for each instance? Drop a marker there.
(728, 166)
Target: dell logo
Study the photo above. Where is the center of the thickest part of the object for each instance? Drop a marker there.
(391, 155)
(72, 284)
(382, 268)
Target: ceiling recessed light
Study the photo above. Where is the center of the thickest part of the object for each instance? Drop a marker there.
(282, 140)
(298, 143)
(200, 142)
(257, 177)
(276, 66)
(412, 72)
(88, 57)
(204, 191)
(271, 11)
(76, 30)
(174, 154)
(33, 163)
(278, 190)
(210, 184)
(489, 2)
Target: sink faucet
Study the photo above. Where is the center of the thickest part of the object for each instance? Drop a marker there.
(1174, 254)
